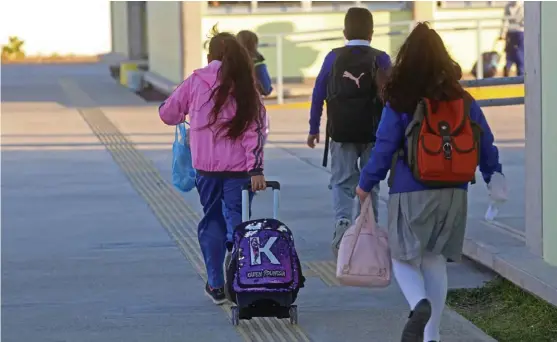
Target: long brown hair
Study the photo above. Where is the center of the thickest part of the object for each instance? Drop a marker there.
(249, 40)
(237, 83)
(423, 68)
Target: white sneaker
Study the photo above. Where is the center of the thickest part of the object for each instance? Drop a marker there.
(492, 211)
(340, 228)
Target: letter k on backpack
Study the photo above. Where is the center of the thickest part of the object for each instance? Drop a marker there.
(443, 143)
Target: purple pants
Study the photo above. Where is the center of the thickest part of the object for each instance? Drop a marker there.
(515, 52)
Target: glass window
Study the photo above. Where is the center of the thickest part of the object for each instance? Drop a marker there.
(470, 4)
(226, 7)
(332, 6)
(223, 3)
(278, 6)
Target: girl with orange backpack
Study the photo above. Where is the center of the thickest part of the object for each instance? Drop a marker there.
(432, 136)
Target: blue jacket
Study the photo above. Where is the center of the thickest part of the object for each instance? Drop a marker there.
(262, 75)
(390, 135)
(320, 89)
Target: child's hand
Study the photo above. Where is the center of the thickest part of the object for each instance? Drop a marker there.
(362, 195)
(313, 139)
(258, 183)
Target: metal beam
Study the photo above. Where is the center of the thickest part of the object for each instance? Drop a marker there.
(510, 101)
(495, 81)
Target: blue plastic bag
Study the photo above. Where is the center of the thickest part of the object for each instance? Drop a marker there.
(183, 173)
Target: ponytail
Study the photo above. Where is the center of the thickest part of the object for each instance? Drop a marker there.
(237, 80)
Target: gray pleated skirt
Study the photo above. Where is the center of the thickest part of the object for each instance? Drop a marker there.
(431, 220)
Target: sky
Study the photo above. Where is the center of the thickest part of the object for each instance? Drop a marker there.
(56, 26)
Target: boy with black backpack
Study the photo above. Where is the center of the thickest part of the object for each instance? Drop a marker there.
(350, 81)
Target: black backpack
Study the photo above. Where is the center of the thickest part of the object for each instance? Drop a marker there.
(353, 104)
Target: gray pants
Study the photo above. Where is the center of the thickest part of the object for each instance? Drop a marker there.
(347, 159)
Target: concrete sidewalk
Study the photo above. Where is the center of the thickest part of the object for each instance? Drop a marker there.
(97, 246)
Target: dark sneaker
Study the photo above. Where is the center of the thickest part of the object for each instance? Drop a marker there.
(216, 295)
(341, 227)
(414, 328)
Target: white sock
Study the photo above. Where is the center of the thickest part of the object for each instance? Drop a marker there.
(410, 280)
(434, 270)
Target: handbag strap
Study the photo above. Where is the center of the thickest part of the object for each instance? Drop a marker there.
(181, 127)
(360, 221)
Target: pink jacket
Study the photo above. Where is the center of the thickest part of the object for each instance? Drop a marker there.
(212, 153)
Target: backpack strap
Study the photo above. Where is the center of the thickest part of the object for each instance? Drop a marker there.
(336, 51)
(467, 102)
(326, 149)
(398, 154)
(417, 118)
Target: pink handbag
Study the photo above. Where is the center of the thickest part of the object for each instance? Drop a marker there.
(364, 258)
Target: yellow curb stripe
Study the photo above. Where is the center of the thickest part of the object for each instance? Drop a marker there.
(326, 270)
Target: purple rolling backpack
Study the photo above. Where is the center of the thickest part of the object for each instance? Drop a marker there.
(266, 257)
(264, 275)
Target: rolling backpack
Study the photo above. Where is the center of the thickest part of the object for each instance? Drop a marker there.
(264, 275)
(442, 143)
(353, 104)
(490, 61)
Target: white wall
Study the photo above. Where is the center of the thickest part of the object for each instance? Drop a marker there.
(463, 45)
(165, 40)
(120, 33)
(79, 27)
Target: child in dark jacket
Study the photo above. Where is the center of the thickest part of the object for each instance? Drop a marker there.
(250, 41)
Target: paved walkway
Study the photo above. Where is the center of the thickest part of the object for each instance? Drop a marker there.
(97, 245)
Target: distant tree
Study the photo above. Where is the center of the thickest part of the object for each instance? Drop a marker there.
(14, 49)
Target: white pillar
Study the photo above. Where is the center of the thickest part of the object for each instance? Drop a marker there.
(423, 10)
(137, 30)
(192, 37)
(119, 28)
(532, 113)
(306, 5)
(541, 123)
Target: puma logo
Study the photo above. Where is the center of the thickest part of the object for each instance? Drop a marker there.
(353, 78)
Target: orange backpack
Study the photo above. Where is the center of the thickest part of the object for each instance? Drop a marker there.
(443, 143)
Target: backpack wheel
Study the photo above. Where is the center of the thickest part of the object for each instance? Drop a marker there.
(235, 315)
(293, 311)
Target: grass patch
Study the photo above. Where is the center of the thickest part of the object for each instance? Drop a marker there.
(506, 312)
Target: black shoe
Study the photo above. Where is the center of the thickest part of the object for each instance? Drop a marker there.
(414, 328)
(216, 295)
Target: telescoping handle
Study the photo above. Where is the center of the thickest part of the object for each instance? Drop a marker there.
(245, 199)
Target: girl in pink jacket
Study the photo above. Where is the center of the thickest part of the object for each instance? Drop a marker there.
(227, 132)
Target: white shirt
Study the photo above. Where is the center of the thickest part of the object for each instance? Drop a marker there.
(514, 17)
